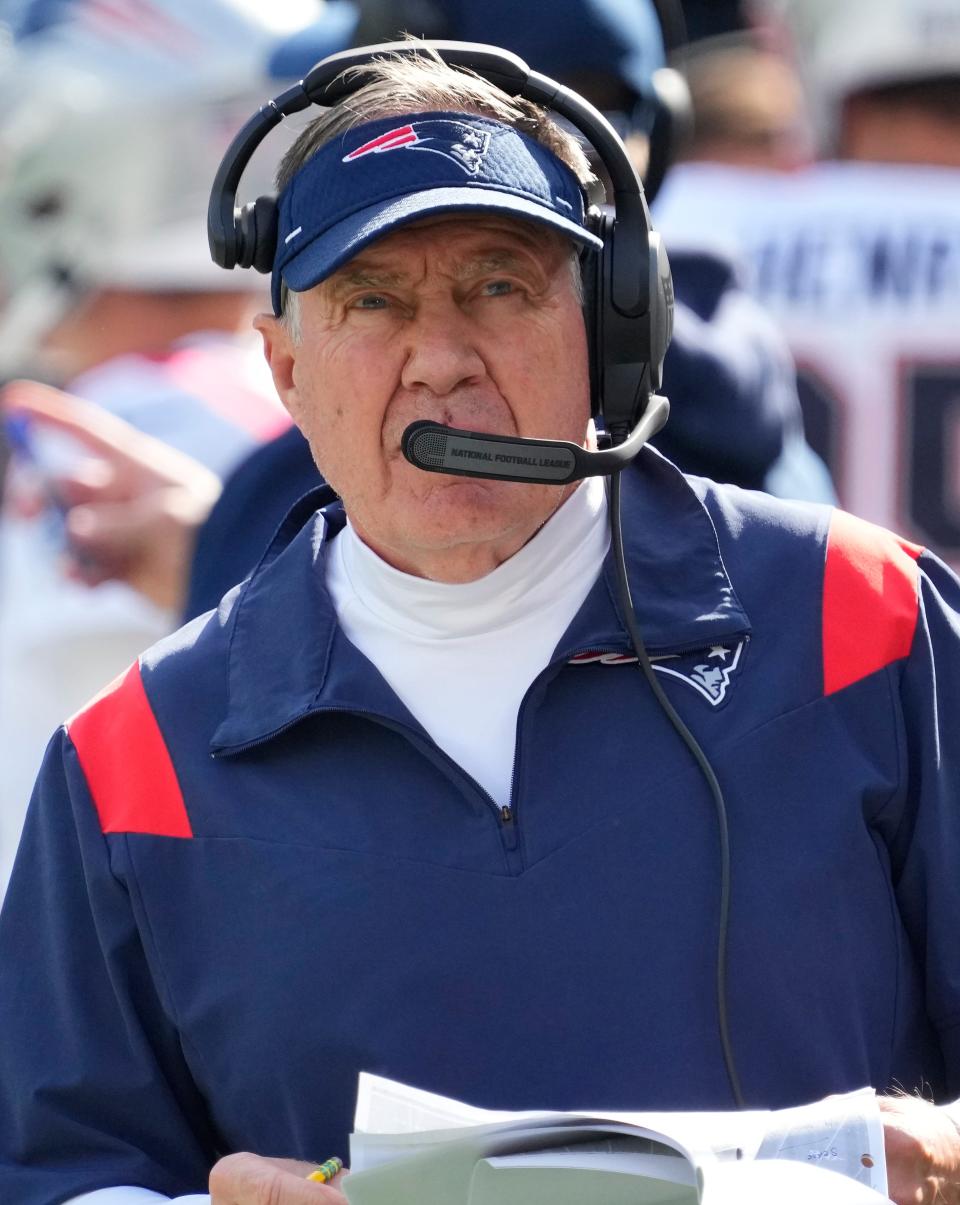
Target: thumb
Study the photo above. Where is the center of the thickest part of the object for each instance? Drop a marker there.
(246, 1179)
(146, 542)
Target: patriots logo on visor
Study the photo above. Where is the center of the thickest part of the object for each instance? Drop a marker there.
(464, 144)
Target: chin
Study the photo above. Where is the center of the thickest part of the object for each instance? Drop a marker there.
(473, 509)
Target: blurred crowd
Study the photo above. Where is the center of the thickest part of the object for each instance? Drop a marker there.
(801, 158)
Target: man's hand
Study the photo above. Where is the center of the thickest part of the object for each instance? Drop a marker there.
(923, 1152)
(132, 507)
(244, 1179)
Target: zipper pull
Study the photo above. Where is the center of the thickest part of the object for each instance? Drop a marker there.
(506, 814)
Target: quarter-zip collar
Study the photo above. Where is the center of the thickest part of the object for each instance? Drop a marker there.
(288, 657)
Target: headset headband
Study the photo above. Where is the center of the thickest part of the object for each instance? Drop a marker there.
(506, 71)
(631, 297)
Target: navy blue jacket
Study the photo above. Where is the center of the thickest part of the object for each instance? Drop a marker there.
(248, 873)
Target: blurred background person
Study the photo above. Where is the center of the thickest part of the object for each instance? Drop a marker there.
(858, 255)
(749, 105)
(748, 102)
(111, 119)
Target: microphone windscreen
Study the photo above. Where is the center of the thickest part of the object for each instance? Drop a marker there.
(427, 447)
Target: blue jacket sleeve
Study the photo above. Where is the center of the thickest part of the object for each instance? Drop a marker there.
(96, 1088)
(922, 830)
(735, 413)
(728, 375)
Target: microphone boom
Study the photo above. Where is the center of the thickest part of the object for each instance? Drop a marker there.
(438, 449)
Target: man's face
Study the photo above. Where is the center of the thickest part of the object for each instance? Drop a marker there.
(469, 322)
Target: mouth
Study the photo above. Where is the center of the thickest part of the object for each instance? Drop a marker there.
(462, 410)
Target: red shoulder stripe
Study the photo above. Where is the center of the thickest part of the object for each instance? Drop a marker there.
(126, 763)
(870, 600)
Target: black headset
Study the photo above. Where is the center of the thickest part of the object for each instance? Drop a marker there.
(628, 303)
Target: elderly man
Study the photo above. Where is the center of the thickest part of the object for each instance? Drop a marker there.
(404, 803)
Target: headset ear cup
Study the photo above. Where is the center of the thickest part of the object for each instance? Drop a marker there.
(266, 220)
(257, 234)
(246, 236)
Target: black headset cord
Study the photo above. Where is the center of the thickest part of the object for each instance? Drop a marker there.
(643, 661)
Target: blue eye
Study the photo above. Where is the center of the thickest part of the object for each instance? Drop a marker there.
(371, 301)
(498, 288)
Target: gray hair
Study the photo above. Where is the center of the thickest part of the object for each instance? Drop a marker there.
(290, 313)
(417, 83)
(420, 83)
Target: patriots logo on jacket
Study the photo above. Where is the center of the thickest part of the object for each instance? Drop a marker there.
(458, 141)
(709, 671)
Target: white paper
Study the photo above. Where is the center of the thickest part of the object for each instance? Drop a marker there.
(442, 1151)
(784, 1182)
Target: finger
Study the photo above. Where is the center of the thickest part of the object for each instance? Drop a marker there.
(89, 481)
(95, 550)
(922, 1152)
(245, 1179)
(147, 542)
(106, 435)
(93, 426)
(24, 496)
(138, 461)
(108, 540)
(81, 568)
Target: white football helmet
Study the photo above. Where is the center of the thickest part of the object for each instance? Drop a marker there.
(844, 46)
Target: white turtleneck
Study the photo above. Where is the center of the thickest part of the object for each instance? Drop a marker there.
(461, 656)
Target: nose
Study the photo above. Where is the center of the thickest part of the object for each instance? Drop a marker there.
(443, 352)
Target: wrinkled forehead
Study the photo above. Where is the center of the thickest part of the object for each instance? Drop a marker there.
(464, 243)
(457, 250)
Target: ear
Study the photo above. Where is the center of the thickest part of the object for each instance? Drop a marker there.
(280, 352)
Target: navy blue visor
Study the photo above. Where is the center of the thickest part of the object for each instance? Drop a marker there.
(388, 173)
